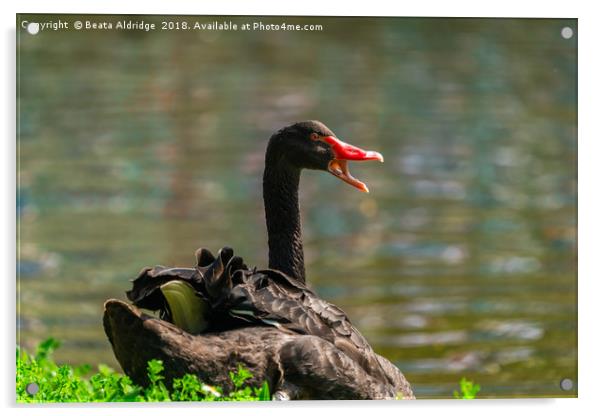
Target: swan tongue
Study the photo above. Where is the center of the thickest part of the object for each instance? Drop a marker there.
(344, 152)
(339, 169)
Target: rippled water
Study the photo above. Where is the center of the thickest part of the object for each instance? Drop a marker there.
(137, 148)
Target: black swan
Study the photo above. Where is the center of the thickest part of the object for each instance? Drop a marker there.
(267, 319)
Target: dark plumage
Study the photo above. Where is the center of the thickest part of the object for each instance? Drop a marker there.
(272, 298)
(295, 366)
(238, 297)
(317, 353)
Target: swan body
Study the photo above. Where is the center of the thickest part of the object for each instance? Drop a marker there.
(221, 310)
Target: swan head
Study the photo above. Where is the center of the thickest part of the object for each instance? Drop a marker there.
(312, 145)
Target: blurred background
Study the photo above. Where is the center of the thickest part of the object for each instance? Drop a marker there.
(135, 148)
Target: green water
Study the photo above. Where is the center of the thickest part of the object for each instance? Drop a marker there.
(137, 148)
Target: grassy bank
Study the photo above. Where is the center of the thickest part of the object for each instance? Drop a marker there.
(63, 383)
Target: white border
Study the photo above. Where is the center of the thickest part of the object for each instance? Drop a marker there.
(590, 152)
(508, 8)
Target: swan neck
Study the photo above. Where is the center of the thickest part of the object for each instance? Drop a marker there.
(281, 201)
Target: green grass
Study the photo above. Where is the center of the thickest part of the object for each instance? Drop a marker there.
(468, 389)
(64, 383)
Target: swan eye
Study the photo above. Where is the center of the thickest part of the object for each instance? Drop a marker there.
(314, 136)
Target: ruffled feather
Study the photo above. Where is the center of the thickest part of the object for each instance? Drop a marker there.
(266, 297)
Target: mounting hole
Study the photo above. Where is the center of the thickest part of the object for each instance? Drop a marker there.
(32, 388)
(566, 32)
(33, 28)
(566, 384)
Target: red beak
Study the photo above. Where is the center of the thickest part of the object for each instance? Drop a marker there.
(344, 152)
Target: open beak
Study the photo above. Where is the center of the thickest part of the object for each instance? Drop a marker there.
(344, 152)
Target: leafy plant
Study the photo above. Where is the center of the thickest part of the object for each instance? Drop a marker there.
(239, 378)
(468, 388)
(67, 384)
